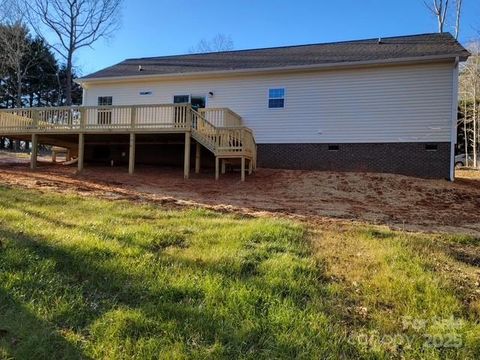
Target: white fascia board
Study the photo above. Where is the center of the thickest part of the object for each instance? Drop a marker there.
(273, 70)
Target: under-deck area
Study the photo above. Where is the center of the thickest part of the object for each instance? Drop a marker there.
(128, 135)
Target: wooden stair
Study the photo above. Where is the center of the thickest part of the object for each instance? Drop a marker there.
(226, 143)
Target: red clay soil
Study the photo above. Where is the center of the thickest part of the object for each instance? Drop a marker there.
(397, 201)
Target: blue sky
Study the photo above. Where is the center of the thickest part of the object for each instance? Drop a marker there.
(164, 27)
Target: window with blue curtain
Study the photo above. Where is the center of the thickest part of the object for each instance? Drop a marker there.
(276, 98)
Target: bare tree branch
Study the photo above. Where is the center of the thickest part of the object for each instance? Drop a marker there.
(439, 8)
(470, 93)
(16, 56)
(219, 42)
(76, 24)
(458, 15)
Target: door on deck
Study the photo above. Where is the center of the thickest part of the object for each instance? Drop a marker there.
(104, 115)
(197, 102)
(179, 117)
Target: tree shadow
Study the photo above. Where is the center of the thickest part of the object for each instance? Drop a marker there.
(110, 289)
(105, 289)
(25, 336)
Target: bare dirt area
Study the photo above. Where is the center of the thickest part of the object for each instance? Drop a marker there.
(397, 201)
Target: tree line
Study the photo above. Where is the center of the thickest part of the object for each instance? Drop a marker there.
(30, 74)
(35, 72)
(469, 104)
(449, 15)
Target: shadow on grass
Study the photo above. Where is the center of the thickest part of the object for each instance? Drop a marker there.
(102, 295)
(179, 310)
(24, 336)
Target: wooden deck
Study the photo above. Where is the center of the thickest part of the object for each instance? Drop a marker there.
(220, 130)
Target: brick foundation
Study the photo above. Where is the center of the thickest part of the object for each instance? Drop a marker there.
(412, 159)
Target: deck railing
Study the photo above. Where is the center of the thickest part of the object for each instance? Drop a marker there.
(218, 129)
(95, 118)
(222, 117)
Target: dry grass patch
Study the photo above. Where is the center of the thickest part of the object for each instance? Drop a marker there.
(404, 294)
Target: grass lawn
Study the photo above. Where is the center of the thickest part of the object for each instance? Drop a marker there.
(89, 278)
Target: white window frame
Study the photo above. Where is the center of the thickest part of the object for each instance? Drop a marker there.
(270, 98)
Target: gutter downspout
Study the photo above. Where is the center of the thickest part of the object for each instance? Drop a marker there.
(453, 134)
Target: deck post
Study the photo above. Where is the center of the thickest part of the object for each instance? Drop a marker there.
(81, 149)
(131, 155)
(250, 166)
(198, 150)
(224, 167)
(217, 168)
(243, 169)
(186, 164)
(34, 152)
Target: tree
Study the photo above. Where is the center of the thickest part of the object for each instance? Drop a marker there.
(76, 90)
(7, 10)
(76, 24)
(470, 99)
(219, 42)
(458, 15)
(439, 8)
(41, 81)
(17, 56)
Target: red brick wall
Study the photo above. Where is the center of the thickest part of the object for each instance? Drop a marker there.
(399, 158)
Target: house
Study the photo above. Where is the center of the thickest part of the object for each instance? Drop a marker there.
(380, 105)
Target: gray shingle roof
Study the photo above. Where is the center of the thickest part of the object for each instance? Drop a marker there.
(388, 49)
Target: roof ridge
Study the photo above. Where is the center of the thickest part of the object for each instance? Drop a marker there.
(416, 46)
(290, 46)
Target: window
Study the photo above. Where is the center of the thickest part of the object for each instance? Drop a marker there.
(333, 147)
(276, 98)
(431, 147)
(105, 101)
(198, 102)
(104, 116)
(181, 99)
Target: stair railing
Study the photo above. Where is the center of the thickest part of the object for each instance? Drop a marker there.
(238, 140)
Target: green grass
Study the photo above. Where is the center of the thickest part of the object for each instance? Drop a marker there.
(405, 295)
(90, 278)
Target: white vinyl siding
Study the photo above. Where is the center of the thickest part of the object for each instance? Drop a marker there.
(407, 103)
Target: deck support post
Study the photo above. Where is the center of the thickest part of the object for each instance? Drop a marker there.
(243, 169)
(81, 150)
(34, 152)
(217, 168)
(250, 167)
(198, 150)
(224, 167)
(131, 154)
(186, 164)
